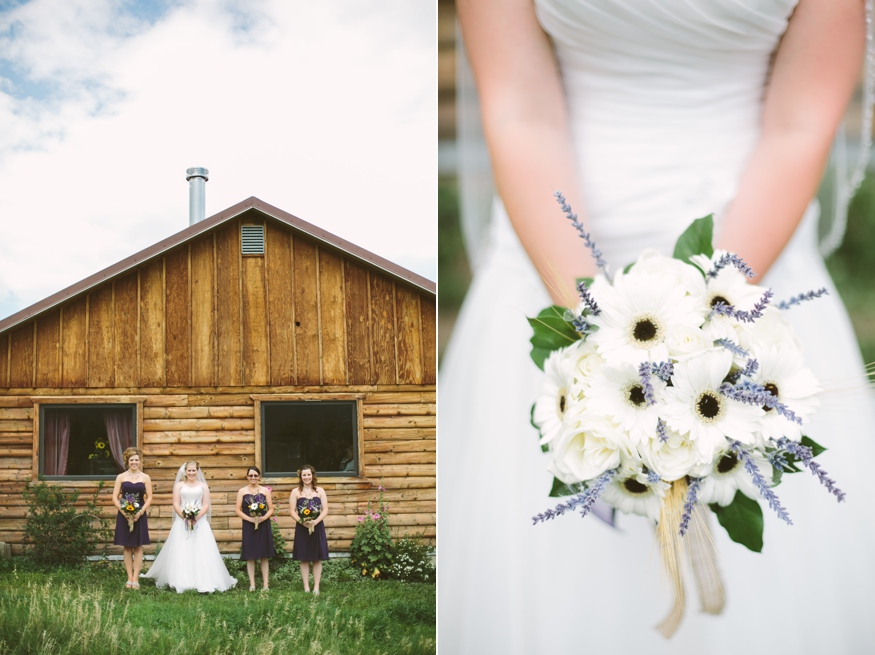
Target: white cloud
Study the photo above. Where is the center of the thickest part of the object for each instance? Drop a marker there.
(327, 110)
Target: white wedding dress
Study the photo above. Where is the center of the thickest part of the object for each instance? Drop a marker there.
(190, 559)
(664, 100)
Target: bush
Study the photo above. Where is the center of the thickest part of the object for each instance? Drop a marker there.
(411, 560)
(371, 548)
(55, 532)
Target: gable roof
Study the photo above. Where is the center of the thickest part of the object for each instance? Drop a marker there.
(317, 233)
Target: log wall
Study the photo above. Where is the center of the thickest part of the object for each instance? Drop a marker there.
(217, 428)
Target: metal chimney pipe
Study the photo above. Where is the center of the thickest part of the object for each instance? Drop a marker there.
(197, 180)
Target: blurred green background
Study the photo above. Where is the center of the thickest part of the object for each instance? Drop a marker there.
(851, 266)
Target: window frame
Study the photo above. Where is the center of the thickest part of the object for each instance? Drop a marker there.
(40, 401)
(291, 476)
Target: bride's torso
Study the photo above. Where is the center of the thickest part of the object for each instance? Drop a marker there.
(188, 494)
(664, 101)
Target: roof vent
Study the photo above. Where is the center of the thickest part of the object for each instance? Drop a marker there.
(197, 181)
(252, 238)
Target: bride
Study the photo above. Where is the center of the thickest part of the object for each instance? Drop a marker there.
(190, 558)
(648, 114)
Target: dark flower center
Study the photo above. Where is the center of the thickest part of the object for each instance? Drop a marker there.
(708, 405)
(633, 486)
(717, 299)
(644, 330)
(772, 388)
(636, 395)
(562, 404)
(727, 463)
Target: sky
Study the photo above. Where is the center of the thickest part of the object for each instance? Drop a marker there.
(326, 110)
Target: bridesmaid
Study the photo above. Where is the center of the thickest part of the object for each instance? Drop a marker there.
(132, 481)
(309, 546)
(257, 541)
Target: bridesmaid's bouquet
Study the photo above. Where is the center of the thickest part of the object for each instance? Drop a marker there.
(190, 511)
(130, 504)
(309, 511)
(257, 506)
(675, 389)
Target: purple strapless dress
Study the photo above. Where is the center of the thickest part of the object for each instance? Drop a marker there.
(310, 547)
(140, 534)
(257, 544)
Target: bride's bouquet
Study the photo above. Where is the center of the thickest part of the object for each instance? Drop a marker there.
(673, 387)
(190, 511)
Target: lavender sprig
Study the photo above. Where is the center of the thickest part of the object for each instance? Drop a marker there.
(759, 481)
(750, 367)
(723, 309)
(663, 370)
(587, 239)
(778, 460)
(732, 347)
(796, 300)
(660, 431)
(585, 500)
(689, 505)
(580, 325)
(644, 375)
(752, 393)
(586, 297)
(804, 455)
(728, 259)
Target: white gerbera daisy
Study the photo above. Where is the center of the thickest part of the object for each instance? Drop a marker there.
(728, 475)
(553, 401)
(634, 492)
(782, 373)
(637, 313)
(586, 448)
(695, 407)
(617, 393)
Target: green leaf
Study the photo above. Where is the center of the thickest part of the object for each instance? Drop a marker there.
(561, 489)
(551, 332)
(696, 239)
(628, 268)
(816, 448)
(743, 521)
(586, 280)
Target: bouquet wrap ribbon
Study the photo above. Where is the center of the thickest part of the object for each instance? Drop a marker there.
(700, 554)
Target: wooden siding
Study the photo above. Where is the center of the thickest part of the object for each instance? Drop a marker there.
(398, 450)
(204, 315)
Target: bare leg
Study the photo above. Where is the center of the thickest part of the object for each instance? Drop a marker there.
(265, 568)
(137, 563)
(250, 569)
(305, 575)
(129, 563)
(317, 575)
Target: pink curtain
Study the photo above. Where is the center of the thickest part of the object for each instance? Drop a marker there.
(56, 441)
(120, 432)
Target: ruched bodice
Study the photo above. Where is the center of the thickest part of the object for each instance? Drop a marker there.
(664, 101)
(191, 494)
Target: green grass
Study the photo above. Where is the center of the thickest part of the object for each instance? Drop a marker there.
(88, 610)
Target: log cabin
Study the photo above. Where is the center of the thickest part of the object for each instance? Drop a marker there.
(250, 338)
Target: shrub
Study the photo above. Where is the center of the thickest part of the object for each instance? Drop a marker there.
(371, 548)
(55, 532)
(411, 560)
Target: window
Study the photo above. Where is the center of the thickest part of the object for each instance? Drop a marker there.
(85, 439)
(323, 434)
